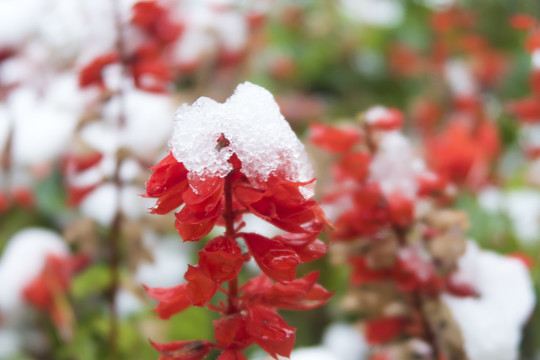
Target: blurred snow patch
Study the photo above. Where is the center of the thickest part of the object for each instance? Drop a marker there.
(313, 353)
(23, 259)
(344, 342)
(439, 4)
(395, 166)
(43, 125)
(382, 13)
(521, 206)
(18, 20)
(171, 258)
(459, 78)
(536, 59)
(10, 343)
(127, 303)
(491, 324)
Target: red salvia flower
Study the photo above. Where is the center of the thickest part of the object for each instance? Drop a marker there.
(203, 199)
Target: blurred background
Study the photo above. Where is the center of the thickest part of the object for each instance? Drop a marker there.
(88, 91)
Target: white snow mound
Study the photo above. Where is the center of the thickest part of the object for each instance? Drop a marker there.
(491, 325)
(259, 135)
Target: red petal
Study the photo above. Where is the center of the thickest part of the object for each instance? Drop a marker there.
(332, 139)
(221, 259)
(168, 183)
(195, 231)
(299, 294)
(183, 350)
(270, 332)
(91, 73)
(200, 288)
(383, 330)
(527, 110)
(171, 300)
(76, 195)
(362, 273)
(314, 251)
(401, 210)
(275, 259)
(353, 165)
(392, 119)
(522, 21)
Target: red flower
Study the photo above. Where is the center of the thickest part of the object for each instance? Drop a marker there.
(91, 74)
(278, 201)
(383, 330)
(463, 154)
(527, 110)
(221, 259)
(270, 331)
(332, 139)
(299, 294)
(171, 300)
(153, 18)
(522, 21)
(389, 119)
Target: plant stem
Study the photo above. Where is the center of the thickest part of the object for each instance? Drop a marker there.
(114, 267)
(228, 215)
(417, 303)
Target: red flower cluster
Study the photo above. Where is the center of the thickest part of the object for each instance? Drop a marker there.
(373, 229)
(249, 316)
(463, 153)
(149, 67)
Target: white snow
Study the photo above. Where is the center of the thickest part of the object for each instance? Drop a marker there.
(491, 324)
(381, 13)
(101, 204)
(17, 20)
(259, 135)
(43, 125)
(171, 258)
(10, 343)
(459, 78)
(374, 113)
(535, 59)
(23, 259)
(395, 166)
(344, 342)
(521, 206)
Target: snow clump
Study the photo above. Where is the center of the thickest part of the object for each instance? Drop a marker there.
(258, 134)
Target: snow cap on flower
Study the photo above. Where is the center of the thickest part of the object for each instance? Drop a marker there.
(22, 260)
(257, 133)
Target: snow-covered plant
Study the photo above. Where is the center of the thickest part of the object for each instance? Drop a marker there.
(401, 245)
(227, 160)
